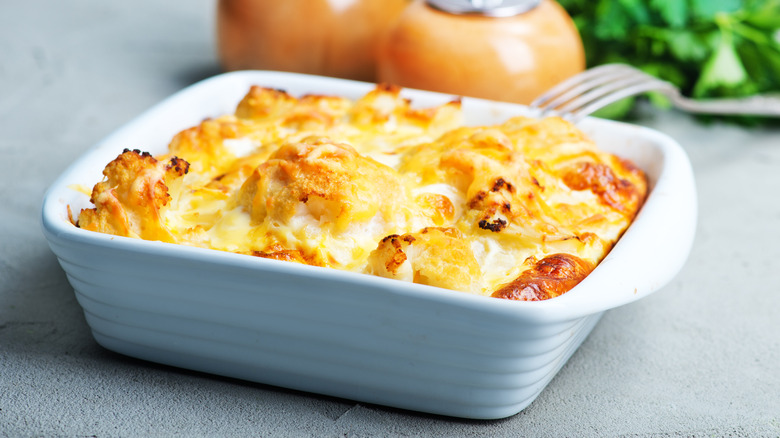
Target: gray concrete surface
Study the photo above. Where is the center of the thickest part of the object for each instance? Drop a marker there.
(699, 358)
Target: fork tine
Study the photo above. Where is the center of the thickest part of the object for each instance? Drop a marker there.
(595, 88)
(633, 90)
(566, 87)
(611, 86)
(582, 94)
(568, 83)
(583, 88)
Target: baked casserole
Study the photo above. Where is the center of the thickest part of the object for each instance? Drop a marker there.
(521, 210)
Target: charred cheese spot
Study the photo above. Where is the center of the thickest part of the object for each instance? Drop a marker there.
(500, 183)
(390, 253)
(495, 225)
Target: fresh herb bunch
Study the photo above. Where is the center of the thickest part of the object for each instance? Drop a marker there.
(708, 48)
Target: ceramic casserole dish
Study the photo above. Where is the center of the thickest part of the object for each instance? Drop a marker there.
(344, 334)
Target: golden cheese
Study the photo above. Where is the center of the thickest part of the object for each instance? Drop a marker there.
(519, 210)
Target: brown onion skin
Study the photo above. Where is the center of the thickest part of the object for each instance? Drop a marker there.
(511, 59)
(338, 39)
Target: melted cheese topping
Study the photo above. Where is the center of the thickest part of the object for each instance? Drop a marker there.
(521, 210)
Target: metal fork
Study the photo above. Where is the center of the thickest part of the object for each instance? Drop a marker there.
(595, 88)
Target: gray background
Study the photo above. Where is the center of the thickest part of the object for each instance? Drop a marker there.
(701, 357)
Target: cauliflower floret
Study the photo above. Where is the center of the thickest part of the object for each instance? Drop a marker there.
(131, 199)
(385, 108)
(262, 103)
(203, 145)
(328, 180)
(434, 256)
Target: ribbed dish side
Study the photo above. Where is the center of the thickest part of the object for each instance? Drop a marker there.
(417, 399)
(364, 339)
(341, 359)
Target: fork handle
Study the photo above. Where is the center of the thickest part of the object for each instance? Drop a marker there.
(755, 105)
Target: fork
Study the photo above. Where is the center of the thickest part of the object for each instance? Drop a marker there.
(595, 88)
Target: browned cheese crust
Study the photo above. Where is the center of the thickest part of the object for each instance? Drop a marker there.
(548, 278)
(520, 210)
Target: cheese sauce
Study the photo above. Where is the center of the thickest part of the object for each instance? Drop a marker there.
(378, 187)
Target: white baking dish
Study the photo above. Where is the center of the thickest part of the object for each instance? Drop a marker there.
(344, 334)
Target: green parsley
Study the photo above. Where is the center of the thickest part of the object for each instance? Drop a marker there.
(708, 48)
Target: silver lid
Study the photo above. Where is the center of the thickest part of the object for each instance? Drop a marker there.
(489, 8)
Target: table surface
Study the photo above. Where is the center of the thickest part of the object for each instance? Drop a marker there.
(701, 357)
